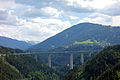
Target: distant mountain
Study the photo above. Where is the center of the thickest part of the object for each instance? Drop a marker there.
(12, 43)
(32, 42)
(81, 34)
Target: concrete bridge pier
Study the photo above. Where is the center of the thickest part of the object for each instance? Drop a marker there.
(36, 57)
(71, 61)
(49, 60)
(82, 58)
(90, 54)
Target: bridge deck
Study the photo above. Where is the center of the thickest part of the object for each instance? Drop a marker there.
(48, 52)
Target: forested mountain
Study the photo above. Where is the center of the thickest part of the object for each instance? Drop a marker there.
(5, 50)
(87, 37)
(31, 69)
(12, 43)
(82, 33)
(24, 67)
(111, 74)
(104, 66)
(7, 71)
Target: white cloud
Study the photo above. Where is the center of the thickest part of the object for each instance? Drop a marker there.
(73, 17)
(9, 31)
(116, 20)
(49, 11)
(28, 19)
(102, 19)
(112, 10)
(30, 8)
(7, 4)
(30, 11)
(93, 4)
(37, 29)
(80, 6)
(51, 26)
(109, 7)
(36, 3)
(7, 18)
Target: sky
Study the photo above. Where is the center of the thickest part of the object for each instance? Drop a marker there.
(37, 20)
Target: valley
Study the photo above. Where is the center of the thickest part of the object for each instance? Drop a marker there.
(59, 39)
(86, 53)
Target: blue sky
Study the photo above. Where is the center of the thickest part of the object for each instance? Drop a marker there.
(37, 20)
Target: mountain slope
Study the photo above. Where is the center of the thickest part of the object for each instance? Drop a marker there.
(7, 71)
(80, 33)
(31, 69)
(12, 43)
(111, 74)
(24, 67)
(99, 66)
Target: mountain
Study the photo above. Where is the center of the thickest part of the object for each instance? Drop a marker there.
(12, 43)
(81, 34)
(103, 66)
(32, 42)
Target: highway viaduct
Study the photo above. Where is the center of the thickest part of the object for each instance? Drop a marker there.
(70, 53)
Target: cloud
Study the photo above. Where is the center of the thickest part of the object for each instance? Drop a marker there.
(80, 6)
(46, 12)
(84, 5)
(3, 15)
(66, 5)
(7, 4)
(51, 26)
(9, 31)
(36, 3)
(37, 29)
(102, 19)
(36, 20)
(40, 7)
(73, 17)
(30, 8)
(107, 7)
(7, 18)
(24, 22)
(73, 6)
(112, 10)
(49, 11)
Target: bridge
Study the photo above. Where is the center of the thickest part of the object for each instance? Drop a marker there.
(70, 53)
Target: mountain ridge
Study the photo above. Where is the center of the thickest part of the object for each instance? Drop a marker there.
(81, 32)
(13, 43)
